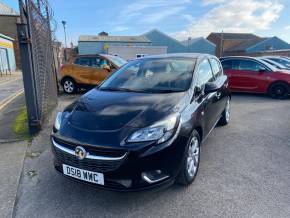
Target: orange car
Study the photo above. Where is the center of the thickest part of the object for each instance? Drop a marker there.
(88, 70)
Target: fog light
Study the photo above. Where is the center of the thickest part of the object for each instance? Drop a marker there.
(154, 176)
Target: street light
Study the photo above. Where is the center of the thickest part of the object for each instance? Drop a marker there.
(64, 30)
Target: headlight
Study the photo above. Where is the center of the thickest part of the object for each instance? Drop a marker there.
(161, 131)
(58, 121)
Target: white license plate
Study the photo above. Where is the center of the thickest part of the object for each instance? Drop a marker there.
(85, 175)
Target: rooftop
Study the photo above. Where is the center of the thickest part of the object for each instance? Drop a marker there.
(233, 36)
(6, 10)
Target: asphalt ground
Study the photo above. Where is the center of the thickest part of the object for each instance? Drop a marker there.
(244, 172)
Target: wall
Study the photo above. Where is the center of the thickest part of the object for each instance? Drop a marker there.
(8, 27)
(85, 48)
(130, 52)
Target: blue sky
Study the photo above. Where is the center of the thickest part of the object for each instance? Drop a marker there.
(179, 18)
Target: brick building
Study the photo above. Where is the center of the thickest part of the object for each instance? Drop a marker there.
(233, 44)
(8, 21)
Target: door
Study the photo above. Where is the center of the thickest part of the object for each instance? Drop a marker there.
(221, 80)
(4, 64)
(246, 75)
(84, 69)
(209, 103)
(103, 69)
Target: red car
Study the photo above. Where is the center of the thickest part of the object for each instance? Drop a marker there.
(248, 74)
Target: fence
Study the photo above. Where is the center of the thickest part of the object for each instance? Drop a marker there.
(38, 67)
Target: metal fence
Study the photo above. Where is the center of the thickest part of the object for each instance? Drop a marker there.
(38, 67)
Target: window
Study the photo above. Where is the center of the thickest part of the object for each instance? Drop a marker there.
(153, 75)
(88, 61)
(230, 64)
(249, 65)
(140, 55)
(216, 68)
(204, 73)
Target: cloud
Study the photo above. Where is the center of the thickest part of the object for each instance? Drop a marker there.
(120, 28)
(152, 11)
(234, 16)
(287, 27)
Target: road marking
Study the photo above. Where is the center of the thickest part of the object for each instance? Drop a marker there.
(9, 80)
(9, 99)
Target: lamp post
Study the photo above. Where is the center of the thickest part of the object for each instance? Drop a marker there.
(64, 30)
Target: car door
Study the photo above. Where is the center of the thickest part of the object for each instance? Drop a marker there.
(84, 70)
(102, 70)
(221, 79)
(246, 75)
(208, 101)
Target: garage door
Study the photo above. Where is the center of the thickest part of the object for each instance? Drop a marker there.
(4, 64)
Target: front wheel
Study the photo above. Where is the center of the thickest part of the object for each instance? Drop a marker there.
(225, 119)
(279, 91)
(190, 161)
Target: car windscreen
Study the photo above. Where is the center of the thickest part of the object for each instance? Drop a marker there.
(156, 75)
(117, 60)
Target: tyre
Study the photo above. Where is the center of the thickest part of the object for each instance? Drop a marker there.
(279, 90)
(190, 161)
(69, 86)
(225, 119)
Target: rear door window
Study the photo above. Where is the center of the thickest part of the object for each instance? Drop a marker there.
(249, 65)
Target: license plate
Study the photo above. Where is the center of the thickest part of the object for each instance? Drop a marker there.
(85, 175)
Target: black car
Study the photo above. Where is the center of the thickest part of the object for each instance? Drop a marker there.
(143, 126)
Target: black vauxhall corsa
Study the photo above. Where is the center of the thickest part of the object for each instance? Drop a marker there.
(143, 126)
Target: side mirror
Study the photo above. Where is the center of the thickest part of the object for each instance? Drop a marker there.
(210, 87)
(106, 67)
(262, 70)
(197, 91)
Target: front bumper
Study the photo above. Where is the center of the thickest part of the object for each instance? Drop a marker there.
(125, 174)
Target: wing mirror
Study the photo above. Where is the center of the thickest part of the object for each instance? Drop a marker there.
(107, 67)
(262, 70)
(210, 87)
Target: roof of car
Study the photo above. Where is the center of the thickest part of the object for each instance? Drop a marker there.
(178, 55)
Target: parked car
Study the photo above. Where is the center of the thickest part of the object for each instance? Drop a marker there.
(274, 63)
(280, 59)
(249, 74)
(88, 70)
(143, 126)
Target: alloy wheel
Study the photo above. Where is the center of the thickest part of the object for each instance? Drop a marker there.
(68, 86)
(193, 157)
(227, 111)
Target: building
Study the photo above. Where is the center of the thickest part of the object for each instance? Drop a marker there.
(100, 44)
(8, 21)
(7, 57)
(150, 43)
(193, 45)
(246, 44)
(132, 52)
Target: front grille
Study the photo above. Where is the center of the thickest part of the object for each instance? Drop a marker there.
(96, 165)
(87, 164)
(109, 152)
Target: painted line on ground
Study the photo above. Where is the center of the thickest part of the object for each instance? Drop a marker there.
(9, 99)
(9, 80)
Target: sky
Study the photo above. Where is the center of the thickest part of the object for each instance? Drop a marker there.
(179, 18)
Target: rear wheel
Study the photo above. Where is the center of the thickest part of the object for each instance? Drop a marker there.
(190, 162)
(69, 86)
(279, 90)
